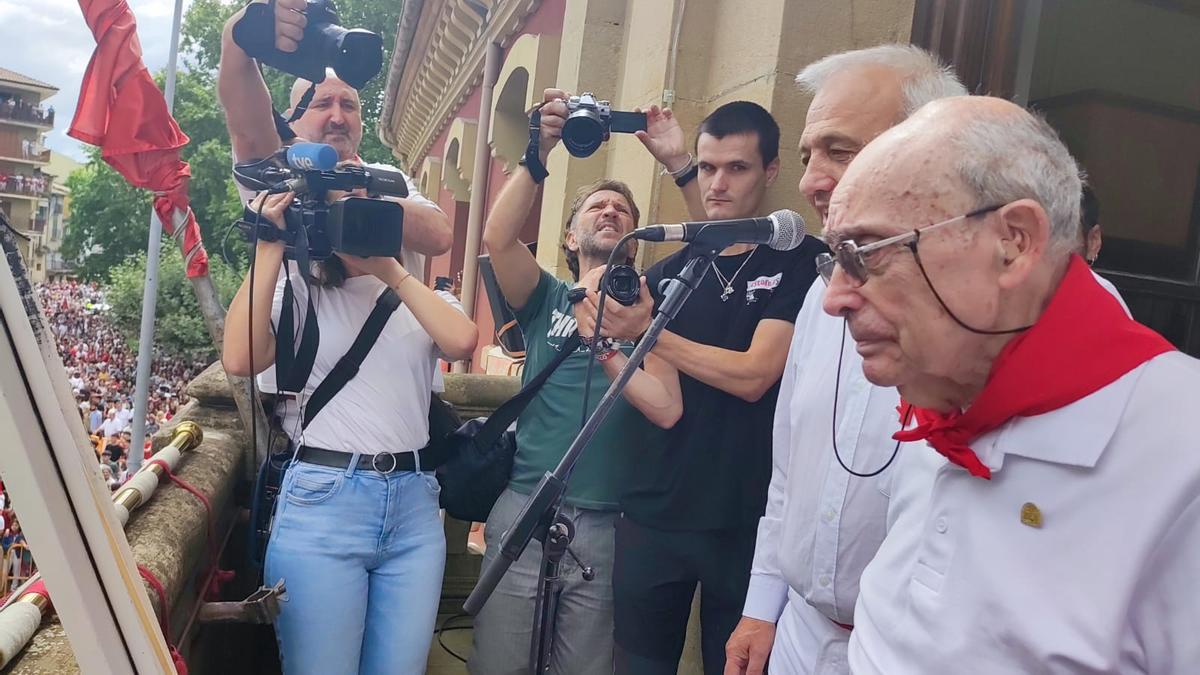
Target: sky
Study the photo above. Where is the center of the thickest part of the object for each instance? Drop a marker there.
(48, 40)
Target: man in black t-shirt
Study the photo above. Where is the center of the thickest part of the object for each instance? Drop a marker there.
(690, 511)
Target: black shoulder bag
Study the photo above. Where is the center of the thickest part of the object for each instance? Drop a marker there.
(476, 459)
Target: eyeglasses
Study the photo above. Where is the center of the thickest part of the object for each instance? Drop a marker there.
(853, 258)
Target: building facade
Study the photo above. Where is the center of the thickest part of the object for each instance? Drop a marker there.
(1117, 78)
(58, 214)
(27, 194)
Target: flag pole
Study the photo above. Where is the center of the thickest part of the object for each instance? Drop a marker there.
(150, 291)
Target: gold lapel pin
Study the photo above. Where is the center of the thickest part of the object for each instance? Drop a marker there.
(1031, 515)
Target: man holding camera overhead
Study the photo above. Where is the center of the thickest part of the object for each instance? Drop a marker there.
(333, 116)
(691, 507)
(545, 307)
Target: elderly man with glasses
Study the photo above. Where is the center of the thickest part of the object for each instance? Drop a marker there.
(1045, 515)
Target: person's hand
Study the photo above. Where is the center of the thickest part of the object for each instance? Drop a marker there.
(620, 322)
(554, 116)
(748, 647)
(388, 270)
(334, 195)
(273, 207)
(289, 24)
(664, 138)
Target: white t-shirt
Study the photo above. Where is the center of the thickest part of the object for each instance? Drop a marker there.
(112, 427)
(386, 406)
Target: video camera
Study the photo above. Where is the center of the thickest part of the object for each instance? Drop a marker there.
(356, 55)
(314, 228)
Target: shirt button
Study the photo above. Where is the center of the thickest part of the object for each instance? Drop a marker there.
(824, 580)
(829, 516)
(941, 526)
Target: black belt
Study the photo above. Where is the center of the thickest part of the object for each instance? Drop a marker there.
(384, 462)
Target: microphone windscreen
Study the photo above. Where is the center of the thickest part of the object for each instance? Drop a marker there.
(789, 230)
(312, 157)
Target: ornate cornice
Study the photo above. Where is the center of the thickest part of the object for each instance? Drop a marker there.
(435, 67)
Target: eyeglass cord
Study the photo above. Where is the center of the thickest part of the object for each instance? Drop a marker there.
(833, 436)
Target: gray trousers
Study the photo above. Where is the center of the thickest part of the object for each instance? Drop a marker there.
(583, 642)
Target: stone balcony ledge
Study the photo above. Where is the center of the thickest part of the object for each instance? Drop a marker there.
(169, 534)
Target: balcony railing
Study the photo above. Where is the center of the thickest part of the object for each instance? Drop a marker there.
(34, 186)
(23, 111)
(26, 150)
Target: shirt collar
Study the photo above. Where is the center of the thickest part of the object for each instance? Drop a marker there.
(1075, 434)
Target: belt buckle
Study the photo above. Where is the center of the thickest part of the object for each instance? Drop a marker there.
(375, 462)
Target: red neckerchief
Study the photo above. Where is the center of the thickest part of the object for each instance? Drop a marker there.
(1083, 342)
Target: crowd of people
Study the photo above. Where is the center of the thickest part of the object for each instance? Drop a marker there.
(34, 184)
(16, 108)
(102, 369)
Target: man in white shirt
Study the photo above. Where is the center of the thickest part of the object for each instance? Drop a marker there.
(112, 424)
(822, 525)
(334, 116)
(1052, 524)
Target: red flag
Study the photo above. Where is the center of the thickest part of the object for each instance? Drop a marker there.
(122, 111)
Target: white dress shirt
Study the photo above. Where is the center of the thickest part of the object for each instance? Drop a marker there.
(1080, 555)
(821, 525)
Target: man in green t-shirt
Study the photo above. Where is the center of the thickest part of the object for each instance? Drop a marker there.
(601, 214)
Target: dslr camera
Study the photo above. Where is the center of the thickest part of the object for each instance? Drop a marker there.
(590, 122)
(314, 228)
(356, 55)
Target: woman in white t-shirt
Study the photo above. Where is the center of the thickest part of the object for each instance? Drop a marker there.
(356, 535)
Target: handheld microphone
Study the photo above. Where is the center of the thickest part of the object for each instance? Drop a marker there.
(312, 157)
(782, 231)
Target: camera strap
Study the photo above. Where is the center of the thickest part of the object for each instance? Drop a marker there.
(531, 161)
(302, 104)
(293, 367)
(347, 366)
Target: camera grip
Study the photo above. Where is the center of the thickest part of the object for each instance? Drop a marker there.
(623, 122)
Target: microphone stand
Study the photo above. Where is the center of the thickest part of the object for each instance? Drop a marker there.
(540, 517)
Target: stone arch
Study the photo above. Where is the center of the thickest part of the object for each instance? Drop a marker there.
(430, 183)
(530, 67)
(459, 162)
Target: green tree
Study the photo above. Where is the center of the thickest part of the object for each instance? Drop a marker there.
(110, 219)
(179, 327)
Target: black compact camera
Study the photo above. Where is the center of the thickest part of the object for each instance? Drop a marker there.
(356, 55)
(624, 286)
(590, 122)
(314, 228)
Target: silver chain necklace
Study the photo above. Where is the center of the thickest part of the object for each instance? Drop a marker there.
(727, 284)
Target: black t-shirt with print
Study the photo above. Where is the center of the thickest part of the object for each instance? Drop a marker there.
(713, 471)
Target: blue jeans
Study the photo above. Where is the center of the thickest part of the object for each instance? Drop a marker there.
(361, 554)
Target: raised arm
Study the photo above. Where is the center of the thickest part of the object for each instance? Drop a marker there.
(665, 140)
(516, 269)
(453, 333)
(236, 356)
(243, 93)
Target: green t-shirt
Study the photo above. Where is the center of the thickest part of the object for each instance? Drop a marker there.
(552, 420)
